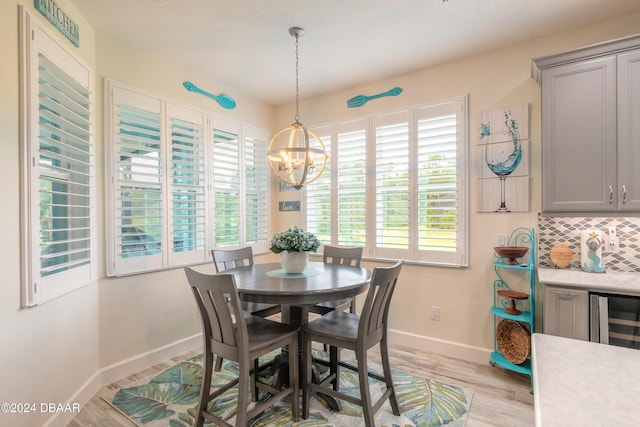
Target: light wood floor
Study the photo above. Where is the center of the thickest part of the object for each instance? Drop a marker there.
(501, 397)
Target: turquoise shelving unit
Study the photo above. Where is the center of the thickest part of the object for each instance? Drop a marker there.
(519, 237)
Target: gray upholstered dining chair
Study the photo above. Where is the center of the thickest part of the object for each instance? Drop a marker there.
(344, 256)
(241, 340)
(232, 258)
(339, 330)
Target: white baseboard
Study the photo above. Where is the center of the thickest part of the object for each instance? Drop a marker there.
(438, 346)
(120, 370)
(142, 361)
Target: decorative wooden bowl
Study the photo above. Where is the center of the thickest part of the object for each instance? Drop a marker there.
(514, 296)
(511, 253)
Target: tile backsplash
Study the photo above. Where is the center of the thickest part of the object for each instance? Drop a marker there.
(552, 230)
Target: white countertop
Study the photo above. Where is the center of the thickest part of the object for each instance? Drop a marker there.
(625, 283)
(580, 383)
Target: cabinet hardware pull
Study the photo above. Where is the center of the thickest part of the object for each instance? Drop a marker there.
(610, 194)
(624, 194)
(565, 294)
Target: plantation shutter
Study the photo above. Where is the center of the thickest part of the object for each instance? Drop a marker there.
(399, 177)
(138, 183)
(226, 182)
(392, 197)
(59, 161)
(187, 181)
(352, 184)
(256, 187)
(439, 178)
(182, 183)
(318, 196)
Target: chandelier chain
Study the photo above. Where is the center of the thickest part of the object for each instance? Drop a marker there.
(297, 84)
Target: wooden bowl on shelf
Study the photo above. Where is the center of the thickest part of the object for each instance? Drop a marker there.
(513, 296)
(511, 253)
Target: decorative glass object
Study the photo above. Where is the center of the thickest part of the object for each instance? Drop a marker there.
(502, 161)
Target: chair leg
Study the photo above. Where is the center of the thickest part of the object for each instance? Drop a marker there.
(365, 394)
(388, 379)
(306, 375)
(218, 363)
(243, 393)
(334, 367)
(205, 388)
(254, 380)
(294, 379)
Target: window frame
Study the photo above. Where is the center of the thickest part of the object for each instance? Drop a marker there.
(369, 124)
(76, 76)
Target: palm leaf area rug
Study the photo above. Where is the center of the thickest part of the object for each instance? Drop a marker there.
(170, 399)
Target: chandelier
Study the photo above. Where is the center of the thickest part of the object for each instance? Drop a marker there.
(296, 155)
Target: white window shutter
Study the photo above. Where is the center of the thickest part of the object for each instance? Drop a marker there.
(58, 156)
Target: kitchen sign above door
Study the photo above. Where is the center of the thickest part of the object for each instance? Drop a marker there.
(58, 17)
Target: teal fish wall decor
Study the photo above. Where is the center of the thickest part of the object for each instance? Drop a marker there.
(224, 100)
(360, 100)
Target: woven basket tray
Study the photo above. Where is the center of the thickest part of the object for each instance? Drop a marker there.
(514, 341)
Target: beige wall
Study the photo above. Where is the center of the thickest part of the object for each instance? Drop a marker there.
(143, 312)
(47, 353)
(69, 345)
(495, 79)
(51, 352)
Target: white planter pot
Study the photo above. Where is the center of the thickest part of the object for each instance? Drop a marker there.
(294, 262)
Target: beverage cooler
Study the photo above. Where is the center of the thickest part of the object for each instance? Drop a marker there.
(615, 319)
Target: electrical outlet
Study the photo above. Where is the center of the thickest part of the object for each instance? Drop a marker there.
(613, 244)
(502, 240)
(435, 313)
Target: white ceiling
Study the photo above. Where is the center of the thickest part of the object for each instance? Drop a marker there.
(245, 44)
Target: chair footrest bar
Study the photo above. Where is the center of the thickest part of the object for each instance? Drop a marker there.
(267, 403)
(318, 389)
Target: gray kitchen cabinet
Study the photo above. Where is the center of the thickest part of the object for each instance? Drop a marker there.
(566, 312)
(628, 67)
(590, 140)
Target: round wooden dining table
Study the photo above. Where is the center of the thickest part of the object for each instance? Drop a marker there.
(319, 282)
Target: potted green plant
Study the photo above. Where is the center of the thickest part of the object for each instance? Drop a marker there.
(294, 245)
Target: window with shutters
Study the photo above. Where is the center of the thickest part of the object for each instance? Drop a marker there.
(183, 182)
(187, 231)
(256, 188)
(58, 185)
(227, 184)
(320, 196)
(397, 184)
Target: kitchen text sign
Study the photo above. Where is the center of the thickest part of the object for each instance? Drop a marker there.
(58, 17)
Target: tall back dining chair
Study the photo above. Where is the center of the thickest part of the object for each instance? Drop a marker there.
(344, 256)
(225, 259)
(232, 258)
(236, 339)
(340, 329)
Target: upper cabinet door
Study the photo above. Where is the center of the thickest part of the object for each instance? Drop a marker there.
(579, 136)
(629, 131)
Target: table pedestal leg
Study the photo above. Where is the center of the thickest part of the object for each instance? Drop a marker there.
(297, 315)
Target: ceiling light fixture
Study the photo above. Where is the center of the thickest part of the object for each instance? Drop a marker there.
(296, 155)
